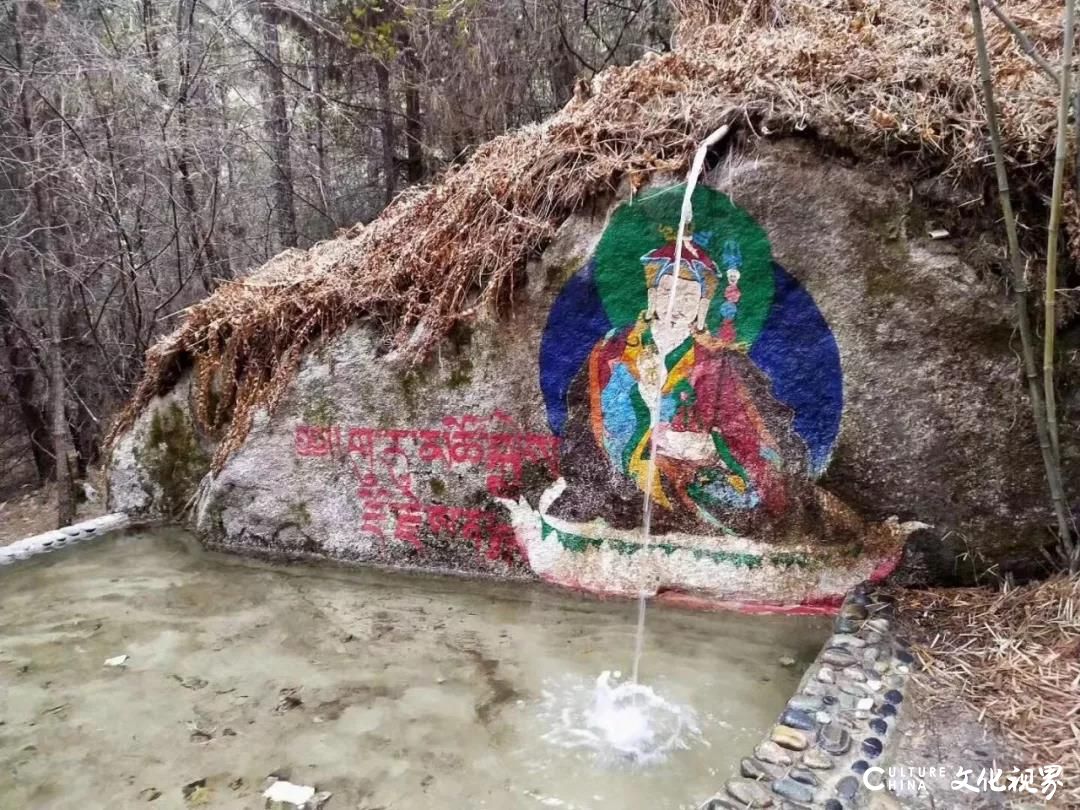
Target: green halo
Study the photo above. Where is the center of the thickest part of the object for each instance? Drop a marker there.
(634, 230)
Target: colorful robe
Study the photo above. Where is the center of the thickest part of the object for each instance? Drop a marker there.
(709, 389)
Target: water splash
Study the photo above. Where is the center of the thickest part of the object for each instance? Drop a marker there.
(619, 723)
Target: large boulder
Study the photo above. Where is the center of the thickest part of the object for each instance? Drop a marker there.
(830, 379)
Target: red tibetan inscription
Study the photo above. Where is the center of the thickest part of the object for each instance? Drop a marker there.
(382, 460)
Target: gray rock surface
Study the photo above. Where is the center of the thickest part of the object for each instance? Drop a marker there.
(935, 424)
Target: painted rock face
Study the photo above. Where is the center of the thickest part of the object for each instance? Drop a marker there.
(696, 377)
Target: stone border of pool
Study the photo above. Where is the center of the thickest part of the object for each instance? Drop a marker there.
(61, 538)
(838, 724)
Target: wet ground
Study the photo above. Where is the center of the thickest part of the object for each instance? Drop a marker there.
(388, 690)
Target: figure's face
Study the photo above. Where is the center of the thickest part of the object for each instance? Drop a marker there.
(687, 304)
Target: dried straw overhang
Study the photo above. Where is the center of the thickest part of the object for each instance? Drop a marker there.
(877, 78)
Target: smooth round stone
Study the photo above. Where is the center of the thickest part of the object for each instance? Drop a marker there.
(853, 610)
(846, 625)
(833, 804)
(878, 726)
(806, 703)
(761, 771)
(874, 685)
(865, 704)
(790, 789)
(847, 787)
(847, 640)
(834, 740)
(816, 689)
(887, 710)
(837, 657)
(825, 675)
(789, 738)
(854, 674)
(872, 747)
(894, 681)
(904, 657)
(893, 696)
(903, 669)
(804, 775)
(770, 752)
(818, 760)
(860, 766)
(797, 718)
(823, 717)
(877, 625)
(873, 637)
(717, 803)
(848, 701)
(883, 801)
(749, 793)
(855, 690)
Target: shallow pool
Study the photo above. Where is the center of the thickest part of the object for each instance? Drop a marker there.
(388, 690)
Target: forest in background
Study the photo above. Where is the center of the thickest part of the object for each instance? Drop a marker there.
(152, 149)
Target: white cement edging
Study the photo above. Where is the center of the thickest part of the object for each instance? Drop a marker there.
(61, 538)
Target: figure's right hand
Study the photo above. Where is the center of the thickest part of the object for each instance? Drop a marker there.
(685, 445)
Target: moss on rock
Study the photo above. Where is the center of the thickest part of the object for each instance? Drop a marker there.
(318, 407)
(173, 459)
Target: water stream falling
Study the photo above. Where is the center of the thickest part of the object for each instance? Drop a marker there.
(626, 721)
(686, 215)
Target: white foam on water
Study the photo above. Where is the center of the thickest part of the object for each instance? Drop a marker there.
(619, 723)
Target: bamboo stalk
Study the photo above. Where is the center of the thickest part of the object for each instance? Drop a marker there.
(1060, 152)
(1076, 140)
(1020, 287)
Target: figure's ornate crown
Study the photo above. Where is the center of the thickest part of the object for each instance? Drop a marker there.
(695, 265)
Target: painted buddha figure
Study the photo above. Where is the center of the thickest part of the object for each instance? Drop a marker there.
(725, 456)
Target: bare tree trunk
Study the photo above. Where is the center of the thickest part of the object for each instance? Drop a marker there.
(388, 133)
(322, 179)
(61, 432)
(414, 125)
(564, 66)
(42, 240)
(204, 253)
(23, 377)
(277, 127)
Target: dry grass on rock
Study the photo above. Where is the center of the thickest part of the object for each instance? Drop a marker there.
(873, 77)
(1013, 657)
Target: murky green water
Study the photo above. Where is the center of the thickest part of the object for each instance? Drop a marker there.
(390, 691)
